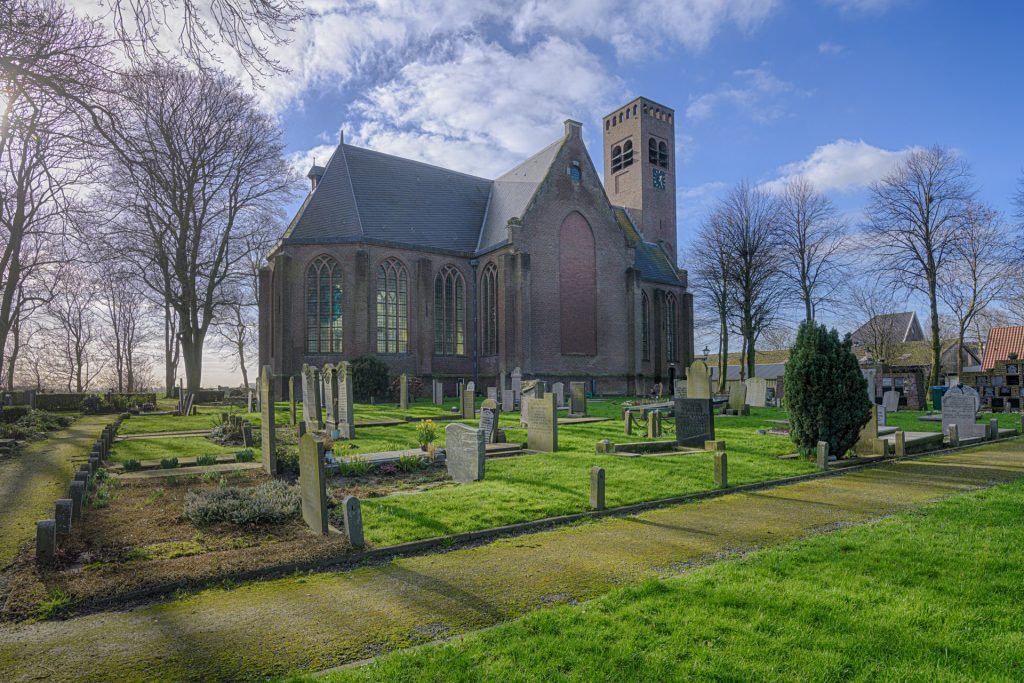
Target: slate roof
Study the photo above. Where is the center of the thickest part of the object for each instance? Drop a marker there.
(1002, 341)
(511, 194)
(905, 328)
(769, 371)
(651, 260)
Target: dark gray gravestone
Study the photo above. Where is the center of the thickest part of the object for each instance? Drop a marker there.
(292, 408)
(489, 420)
(76, 492)
(721, 470)
(695, 421)
(465, 448)
(313, 484)
(597, 488)
(353, 521)
(63, 514)
(268, 434)
(577, 399)
(46, 540)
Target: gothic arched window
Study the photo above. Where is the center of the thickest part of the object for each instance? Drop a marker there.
(489, 310)
(645, 327)
(652, 151)
(449, 313)
(627, 153)
(670, 327)
(323, 306)
(616, 157)
(392, 307)
(662, 155)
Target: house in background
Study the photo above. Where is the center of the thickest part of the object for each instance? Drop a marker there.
(894, 328)
(998, 377)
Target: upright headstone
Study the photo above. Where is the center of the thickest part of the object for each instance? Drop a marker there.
(46, 541)
(329, 377)
(542, 429)
(268, 434)
(76, 492)
(867, 440)
(346, 404)
(577, 399)
(993, 428)
(901, 443)
(891, 401)
(517, 383)
(464, 452)
(503, 382)
(249, 400)
(492, 394)
(353, 517)
(822, 455)
(508, 401)
(698, 380)
(313, 484)
(679, 391)
(437, 392)
(737, 396)
(757, 392)
(883, 416)
(695, 421)
(960, 408)
(869, 377)
(558, 389)
(468, 403)
(403, 391)
(524, 411)
(489, 420)
(470, 386)
(597, 488)
(292, 407)
(64, 515)
(311, 406)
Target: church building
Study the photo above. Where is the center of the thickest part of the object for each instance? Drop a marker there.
(445, 275)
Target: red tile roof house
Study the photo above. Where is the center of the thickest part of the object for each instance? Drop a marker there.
(1002, 341)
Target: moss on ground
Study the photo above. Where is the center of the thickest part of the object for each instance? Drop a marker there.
(310, 622)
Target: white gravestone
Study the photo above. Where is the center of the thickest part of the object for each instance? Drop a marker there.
(960, 409)
(891, 401)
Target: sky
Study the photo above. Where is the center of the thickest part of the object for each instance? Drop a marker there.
(836, 90)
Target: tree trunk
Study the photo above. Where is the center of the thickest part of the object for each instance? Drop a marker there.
(192, 354)
(723, 355)
(751, 360)
(936, 342)
(171, 351)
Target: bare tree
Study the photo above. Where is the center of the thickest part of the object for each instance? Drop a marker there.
(879, 335)
(979, 274)
(125, 315)
(712, 282)
(198, 169)
(915, 220)
(751, 225)
(75, 331)
(811, 237)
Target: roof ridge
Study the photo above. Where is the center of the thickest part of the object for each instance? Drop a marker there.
(417, 162)
(560, 141)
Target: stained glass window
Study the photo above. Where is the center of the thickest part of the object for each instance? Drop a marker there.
(392, 307)
(670, 327)
(449, 313)
(489, 310)
(323, 306)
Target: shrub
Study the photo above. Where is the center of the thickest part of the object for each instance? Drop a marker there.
(168, 463)
(101, 498)
(267, 503)
(132, 465)
(395, 388)
(410, 463)
(355, 467)
(57, 600)
(369, 378)
(91, 404)
(205, 460)
(245, 456)
(826, 394)
(14, 413)
(287, 459)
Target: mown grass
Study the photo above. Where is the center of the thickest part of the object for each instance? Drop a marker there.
(169, 447)
(926, 595)
(908, 420)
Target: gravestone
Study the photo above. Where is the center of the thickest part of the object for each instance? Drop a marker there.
(869, 377)
(329, 377)
(437, 392)
(517, 383)
(468, 403)
(470, 386)
(502, 382)
(883, 416)
(558, 389)
(489, 420)
(464, 452)
(63, 515)
(695, 421)
(492, 394)
(757, 392)
(403, 391)
(247, 434)
(577, 399)
(292, 408)
(353, 518)
(679, 391)
(737, 396)
(972, 392)
(313, 484)
(959, 408)
(822, 453)
(524, 412)
(249, 397)
(597, 488)
(901, 443)
(891, 401)
(311, 407)
(346, 405)
(531, 388)
(76, 492)
(721, 470)
(867, 439)
(698, 380)
(542, 427)
(508, 401)
(46, 540)
(268, 434)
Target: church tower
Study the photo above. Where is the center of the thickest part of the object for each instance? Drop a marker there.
(639, 167)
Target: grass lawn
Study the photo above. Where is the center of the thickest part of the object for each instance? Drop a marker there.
(932, 594)
(908, 420)
(170, 447)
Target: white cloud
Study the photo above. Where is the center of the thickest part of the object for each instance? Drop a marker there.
(756, 93)
(303, 160)
(829, 48)
(481, 109)
(862, 6)
(842, 166)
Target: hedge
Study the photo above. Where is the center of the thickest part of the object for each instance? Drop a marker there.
(206, 395)
(74, 401)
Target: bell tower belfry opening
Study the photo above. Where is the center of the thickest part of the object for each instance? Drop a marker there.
(639, 167)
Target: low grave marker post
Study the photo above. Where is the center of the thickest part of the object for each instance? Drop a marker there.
(597, 488)
(822, 460)
(46, 541)
(353, 516)
(268, 433)
(313, 484)
(721, 470)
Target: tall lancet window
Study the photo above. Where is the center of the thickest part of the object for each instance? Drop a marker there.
(392, 307)
(323, 306)
(449, 313)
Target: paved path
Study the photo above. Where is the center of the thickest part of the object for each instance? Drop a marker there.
(37, 476)
(322, 620)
